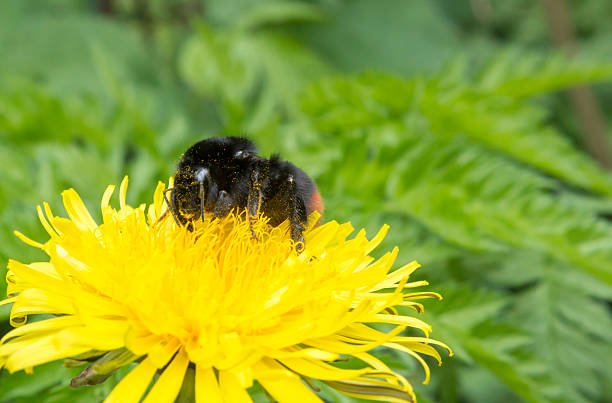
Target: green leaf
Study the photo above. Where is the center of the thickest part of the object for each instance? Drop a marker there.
(279, 12)
(572, 332)
(386, 35)
(21, 384)
(467, 321)
(503, 367)
(520, 74)
(256, 73)
(441, 174)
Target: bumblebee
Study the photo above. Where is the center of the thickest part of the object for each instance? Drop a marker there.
(219, 174)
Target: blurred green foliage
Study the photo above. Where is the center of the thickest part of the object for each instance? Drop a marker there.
(441, 118)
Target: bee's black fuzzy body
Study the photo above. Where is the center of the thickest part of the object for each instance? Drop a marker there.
(219, 174)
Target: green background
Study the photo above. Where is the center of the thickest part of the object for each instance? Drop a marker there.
(448, 120)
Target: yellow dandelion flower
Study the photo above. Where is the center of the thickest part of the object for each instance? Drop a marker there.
(215, 301)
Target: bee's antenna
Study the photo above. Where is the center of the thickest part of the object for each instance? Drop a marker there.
(202, 201)
(170, 205)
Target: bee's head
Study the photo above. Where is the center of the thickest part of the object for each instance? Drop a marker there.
(190, 187)
(206, 168)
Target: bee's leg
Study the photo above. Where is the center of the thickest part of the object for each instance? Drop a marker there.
(171, 206)
(255, 196)
(223, 205)
(297, 214)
